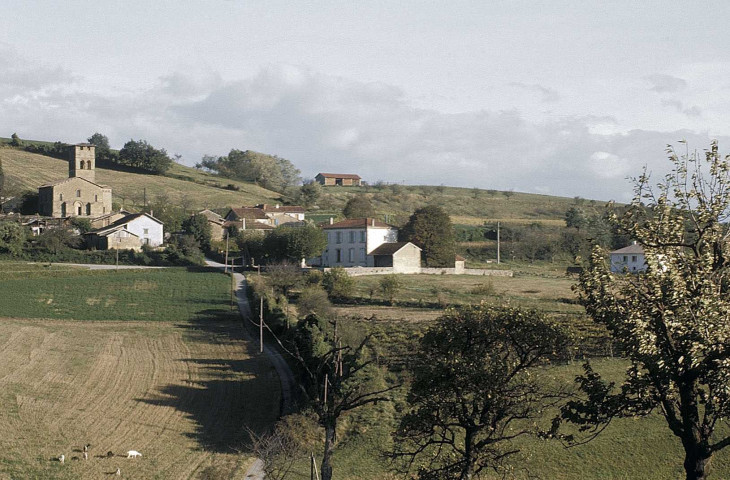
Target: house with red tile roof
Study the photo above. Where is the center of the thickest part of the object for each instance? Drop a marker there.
(339, 179)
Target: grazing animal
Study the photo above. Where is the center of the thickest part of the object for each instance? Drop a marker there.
(109, 454)
(86, 447)
(133, 454)
(62, 458)
(119, 471)
(86, 455)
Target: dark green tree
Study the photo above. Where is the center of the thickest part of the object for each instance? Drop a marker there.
(142, 155)
(338, 284)
(103, 150)
(672, 320)
(474, 391)
(269, 171)
(15, 140)
(2, 185)
(389, 286)
(309, 193)
(284, 277)
(430, 228)
(295, 243)
(12, 237)
(198, 226)
(576, 218)
(358, 206)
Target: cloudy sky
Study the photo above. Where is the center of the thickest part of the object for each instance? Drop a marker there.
(565, 98)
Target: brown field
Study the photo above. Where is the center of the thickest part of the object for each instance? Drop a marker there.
(179, 393)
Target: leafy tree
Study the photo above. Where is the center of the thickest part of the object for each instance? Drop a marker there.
(15, 140)
(576, 218)
(309, 193)
(314, 301)
(358, 206)
(473, 391)
(197, 225)
(295, 243)
(284, 276)
(166, 211)
(83, 225)
(12, 237)
(142, 155)
(430, 228)
(390, 285)
(103, 150)
(57, 239)
(269, 171)
(338, 284)
(2, 185)
(672, 320)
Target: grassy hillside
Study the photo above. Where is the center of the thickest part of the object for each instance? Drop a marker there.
(181, 185)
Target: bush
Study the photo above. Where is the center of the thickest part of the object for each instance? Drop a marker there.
(389, 286)
(338, 284)
(484, 289)
(314, 277)
(314, 300)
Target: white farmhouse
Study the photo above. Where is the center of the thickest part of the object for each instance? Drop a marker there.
(350, 241)
(629, 259)
(129, 232)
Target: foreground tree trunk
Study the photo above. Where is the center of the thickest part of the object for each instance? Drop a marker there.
(329, 446)
(696, 461)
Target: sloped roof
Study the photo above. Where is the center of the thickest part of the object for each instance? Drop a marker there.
(633, 248)
(210, 214)
(280, 208)
(357, 223)
(391, 248)
(250, 226)
(58, 182)
(106, 231)
(340, 175)
(249, 212)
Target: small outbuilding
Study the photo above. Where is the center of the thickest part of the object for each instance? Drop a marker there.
(339, 179)
(404, 257)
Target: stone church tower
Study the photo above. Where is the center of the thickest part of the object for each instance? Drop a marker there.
(82, 161)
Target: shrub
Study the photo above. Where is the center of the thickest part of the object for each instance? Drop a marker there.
(314, 300)
(389, 286)
(338, 284)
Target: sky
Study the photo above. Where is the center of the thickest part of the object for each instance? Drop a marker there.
(560, 98)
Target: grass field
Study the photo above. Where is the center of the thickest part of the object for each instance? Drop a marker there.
(168, 372)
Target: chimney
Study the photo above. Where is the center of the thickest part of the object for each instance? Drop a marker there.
(633, 243)
(372, 222)
(243, 223)
(332, 220)
(277, 206)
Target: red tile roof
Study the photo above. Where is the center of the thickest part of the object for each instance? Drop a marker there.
(247, 212)
(390, 248)
(281, 208)
(357, 223)
(340, 175)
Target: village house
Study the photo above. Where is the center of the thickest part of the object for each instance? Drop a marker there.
(281, 214)
(629, 259)
(340, 179)
(78, 195)
(132, 232)
(216, 222)
(350, 241)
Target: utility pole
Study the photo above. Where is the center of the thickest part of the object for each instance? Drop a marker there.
(145, 197)
(498, 243)
(225, 269)
(117, 255)
(261, 326)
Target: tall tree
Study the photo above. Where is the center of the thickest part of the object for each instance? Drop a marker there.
(358, 206)
(12, 237)
(103, 150)
(309, 193)
(673, 321)
(430, 228)
(142, 155)
(474, 391)
(197, 225)
(295, 243)
(269, 171)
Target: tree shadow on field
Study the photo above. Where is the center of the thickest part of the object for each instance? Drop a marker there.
(229, 395)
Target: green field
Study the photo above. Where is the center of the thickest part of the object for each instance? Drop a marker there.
(37, 291)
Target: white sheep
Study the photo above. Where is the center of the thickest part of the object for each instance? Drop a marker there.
(133, 454)
(86, 455)
(119, 471)
(62, 458)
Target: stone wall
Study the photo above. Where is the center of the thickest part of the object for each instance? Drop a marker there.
(360, 271)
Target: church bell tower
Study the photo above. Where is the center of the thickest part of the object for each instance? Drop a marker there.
(82, 161)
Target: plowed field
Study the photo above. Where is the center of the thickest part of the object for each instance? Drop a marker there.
(180, 393)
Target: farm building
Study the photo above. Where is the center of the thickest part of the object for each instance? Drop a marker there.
(216, 222)
(629, 259)
(78, 195)
(404, 257)
(281, 214)
(340, 179)
(129, 232)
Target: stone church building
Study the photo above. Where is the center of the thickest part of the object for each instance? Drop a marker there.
(78, 195)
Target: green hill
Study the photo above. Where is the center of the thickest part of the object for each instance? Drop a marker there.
(181, 185)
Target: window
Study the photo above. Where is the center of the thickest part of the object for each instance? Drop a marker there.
(626, 259)
(82, 164)
(78, 193)
(351, 255)
(363, 236)
(146, 231)
(352, 237)
(363, 255)
(146, 241)
(88, 209)
(96, 198)
(338, 256)
(339, 237)
(60, 196)
(78, 210)
(633, 258)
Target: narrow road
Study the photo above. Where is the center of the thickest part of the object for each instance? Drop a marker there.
(100, 266)
(286, 377)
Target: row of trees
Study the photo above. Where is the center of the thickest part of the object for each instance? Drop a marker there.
(268, 171)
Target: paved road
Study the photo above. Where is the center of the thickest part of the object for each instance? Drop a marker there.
(95, 266)
(286, 377)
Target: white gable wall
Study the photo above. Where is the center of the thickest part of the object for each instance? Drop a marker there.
(149, 231)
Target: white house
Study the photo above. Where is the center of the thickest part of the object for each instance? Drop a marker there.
(131, 231)
(350, 241)
(629, 259)
(281, 214)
